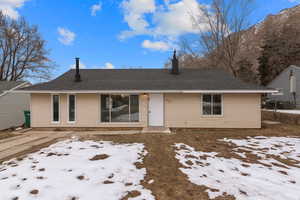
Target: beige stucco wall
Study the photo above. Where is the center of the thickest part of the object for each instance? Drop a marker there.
(239, 111)
(87, 112)
(181, 110)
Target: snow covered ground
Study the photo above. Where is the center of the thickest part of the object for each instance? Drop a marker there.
(268, 179)
(75, 170)
(296, 112)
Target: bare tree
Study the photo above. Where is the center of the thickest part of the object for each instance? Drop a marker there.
(219, 42)
(22, 51)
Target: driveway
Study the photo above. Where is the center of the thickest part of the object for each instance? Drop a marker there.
(17, 145)
(31, 141)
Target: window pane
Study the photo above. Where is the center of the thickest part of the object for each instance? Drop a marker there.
(120, 108)
(72, 108)
(55, 108)
(217, 104)
(206, 108)
(105, 104)
(134, 108)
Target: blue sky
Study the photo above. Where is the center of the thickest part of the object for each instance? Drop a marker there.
(115, 33)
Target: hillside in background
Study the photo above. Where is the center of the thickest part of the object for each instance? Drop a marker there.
(273, 43)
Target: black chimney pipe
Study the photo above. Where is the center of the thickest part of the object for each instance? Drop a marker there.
(77, 73)
(175, 64)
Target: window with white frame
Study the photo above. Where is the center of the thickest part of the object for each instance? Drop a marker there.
(119, 108)
(72, 107)
(55, 108)
(212, 104)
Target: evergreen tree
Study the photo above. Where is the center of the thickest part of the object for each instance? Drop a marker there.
(278, 52)
(263, 68)
(245, 72)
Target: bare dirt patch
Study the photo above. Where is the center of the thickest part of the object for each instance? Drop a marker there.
(34, 192)
(99, 157)
(108, 182)
(162, 167)
(80, 177)
(131, 194)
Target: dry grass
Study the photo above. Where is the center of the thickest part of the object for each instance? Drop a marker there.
(169, 182)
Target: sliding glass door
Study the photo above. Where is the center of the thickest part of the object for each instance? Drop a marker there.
(119, 108)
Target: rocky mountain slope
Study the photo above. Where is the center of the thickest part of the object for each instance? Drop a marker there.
(288, 20)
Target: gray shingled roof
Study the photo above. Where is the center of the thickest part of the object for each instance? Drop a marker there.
(145, 79)
(8, 85)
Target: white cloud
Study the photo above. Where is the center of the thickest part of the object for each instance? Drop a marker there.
(158, 45)
(9, 7)
(66, 36)
(134, 16)
(177, 19)
(108, 65)
(95, 8)
(171, 19)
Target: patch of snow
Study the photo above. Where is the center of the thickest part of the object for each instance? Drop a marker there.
(284, 147)
(151, 181)
(268, 179)
(243, 155)
(296, 112)
(66, 171)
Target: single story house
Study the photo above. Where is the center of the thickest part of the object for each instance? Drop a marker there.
(288, 83)
(12, 105)
(172, 98)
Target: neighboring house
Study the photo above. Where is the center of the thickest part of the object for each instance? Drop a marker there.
(288, 83)
(190, 98)
(12, 105)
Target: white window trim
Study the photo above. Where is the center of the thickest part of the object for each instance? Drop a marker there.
(59, 115)
(110, 107)
(68, 109)
(212, 115)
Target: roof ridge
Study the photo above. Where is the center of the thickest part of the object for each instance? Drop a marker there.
(146, 79)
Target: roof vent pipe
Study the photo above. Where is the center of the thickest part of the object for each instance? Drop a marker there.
(175, 64)
(77, 73)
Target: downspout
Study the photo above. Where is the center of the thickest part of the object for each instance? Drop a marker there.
(293, 86)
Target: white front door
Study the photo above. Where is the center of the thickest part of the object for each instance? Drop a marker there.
(156, 110)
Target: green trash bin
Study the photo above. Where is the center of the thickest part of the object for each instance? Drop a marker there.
(27, 118)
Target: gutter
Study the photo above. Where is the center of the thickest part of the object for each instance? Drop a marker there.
(148, 91)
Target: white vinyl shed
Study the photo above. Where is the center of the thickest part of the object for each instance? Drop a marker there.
(288, 83)
(12, 105)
